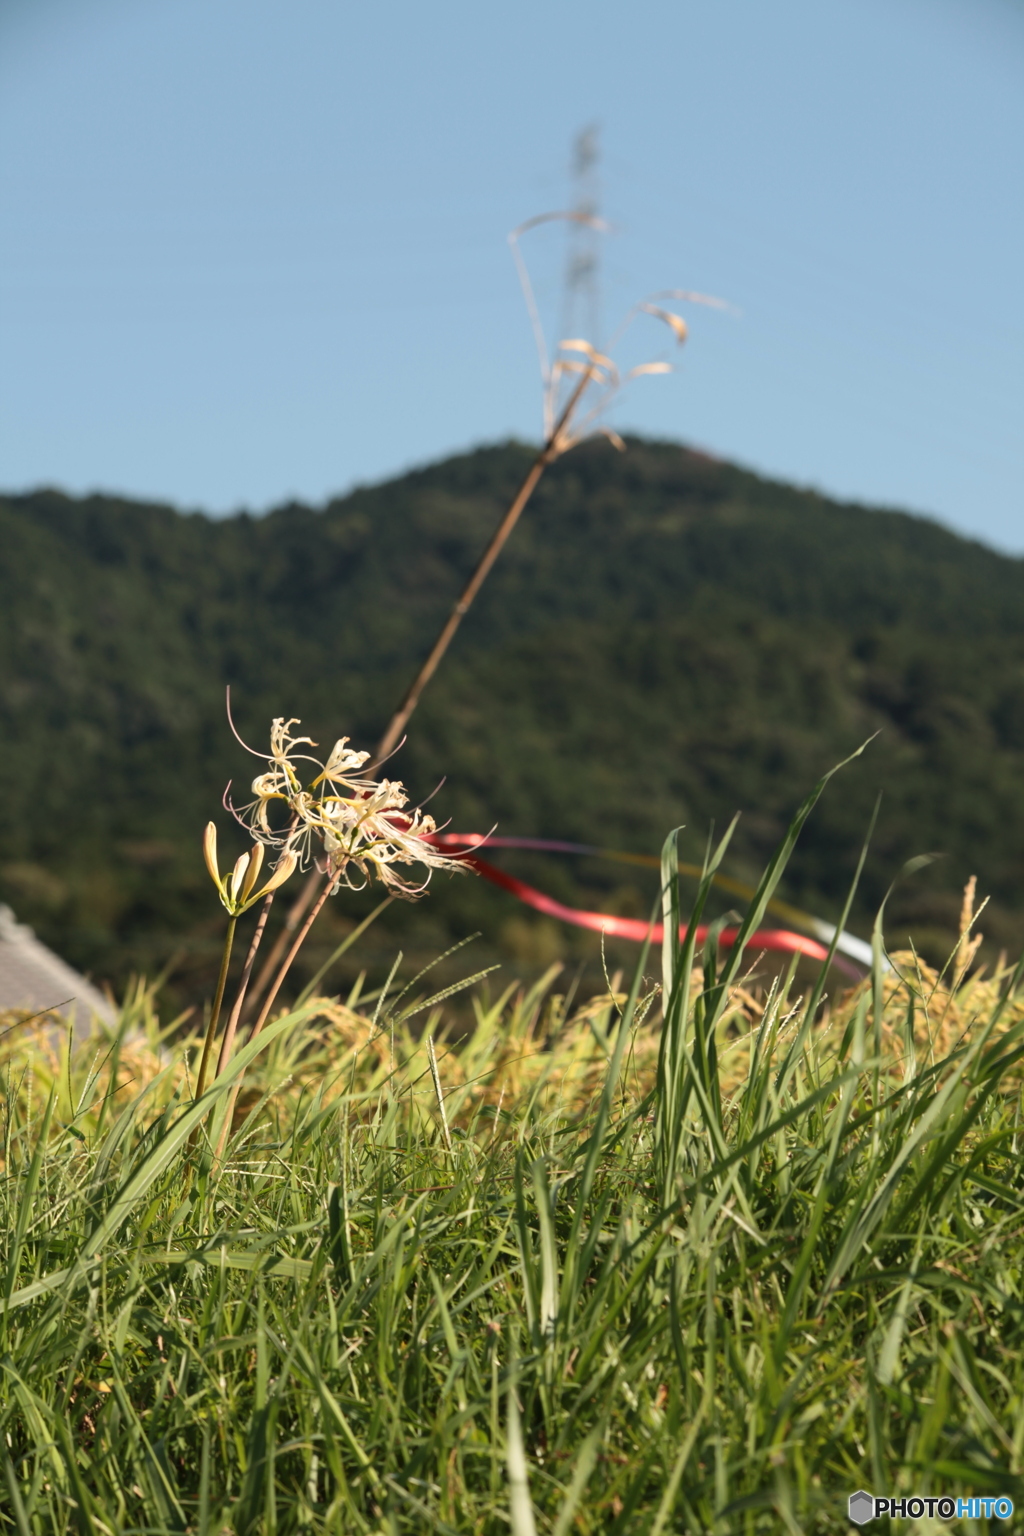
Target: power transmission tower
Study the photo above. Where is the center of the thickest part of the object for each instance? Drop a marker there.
(581, 307)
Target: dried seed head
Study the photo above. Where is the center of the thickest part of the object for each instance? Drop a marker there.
(576, 394)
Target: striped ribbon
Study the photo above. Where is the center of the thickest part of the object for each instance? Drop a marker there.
(464, 845)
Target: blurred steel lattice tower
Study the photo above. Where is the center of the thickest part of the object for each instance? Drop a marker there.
(581, 303)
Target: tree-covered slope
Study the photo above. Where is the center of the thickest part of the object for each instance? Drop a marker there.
(666, 639)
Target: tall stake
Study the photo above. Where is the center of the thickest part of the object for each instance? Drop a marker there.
(400, 718)
(555, 445)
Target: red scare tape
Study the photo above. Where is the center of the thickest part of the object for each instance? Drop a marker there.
(780, 940)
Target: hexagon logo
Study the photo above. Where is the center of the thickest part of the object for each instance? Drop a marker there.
(861, 1507)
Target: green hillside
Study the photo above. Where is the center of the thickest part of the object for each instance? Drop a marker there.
(667, 639)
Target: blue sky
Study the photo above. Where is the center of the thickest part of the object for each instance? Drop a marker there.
(255, 250)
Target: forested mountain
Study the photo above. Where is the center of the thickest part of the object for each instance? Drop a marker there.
(666, 639)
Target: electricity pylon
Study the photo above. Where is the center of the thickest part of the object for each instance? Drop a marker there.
(581, 307)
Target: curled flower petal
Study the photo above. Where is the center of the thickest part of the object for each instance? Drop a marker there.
(343, 763)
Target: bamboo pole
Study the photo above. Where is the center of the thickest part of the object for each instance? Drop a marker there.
(556, 444)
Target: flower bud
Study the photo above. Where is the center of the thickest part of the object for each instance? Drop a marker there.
(255, 864)
(285, 866)
(210, 852)
(238, 875)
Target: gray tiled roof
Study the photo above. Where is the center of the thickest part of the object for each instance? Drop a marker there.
(32, 976)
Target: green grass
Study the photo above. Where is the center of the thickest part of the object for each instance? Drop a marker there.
(706, 1261)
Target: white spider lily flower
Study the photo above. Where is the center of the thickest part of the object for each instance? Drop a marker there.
(373, 833)
(364, 830)
(237, 889)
